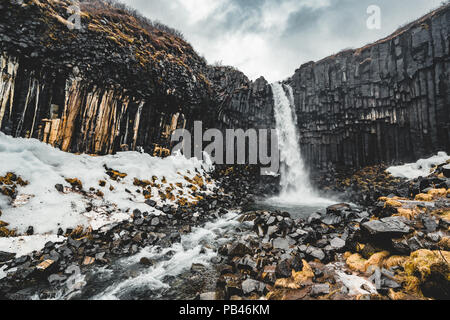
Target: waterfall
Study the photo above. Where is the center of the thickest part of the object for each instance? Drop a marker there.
(296, 187)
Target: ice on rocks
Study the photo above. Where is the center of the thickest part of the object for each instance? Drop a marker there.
(421, 168)
(47, 209)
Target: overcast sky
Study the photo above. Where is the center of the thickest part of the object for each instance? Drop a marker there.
(272, 38)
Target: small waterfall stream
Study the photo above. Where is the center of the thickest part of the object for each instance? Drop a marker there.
(296, 188)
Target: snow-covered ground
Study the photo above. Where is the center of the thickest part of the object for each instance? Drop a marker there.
(24, 245)
(420, 168)
(40, 205)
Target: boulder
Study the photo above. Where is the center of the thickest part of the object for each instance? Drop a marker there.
(332, 219)
(338, 208)
(284, 268)
(6, 256)
(208, 296)
(320, 289)
(238, 249)
(337, 244)
(315, 253)
(281, 243)
(245, 263)
(429, 224)
(250, 286)
(391, 227)
(446, 170)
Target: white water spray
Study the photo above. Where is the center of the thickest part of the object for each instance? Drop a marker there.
(296, 187)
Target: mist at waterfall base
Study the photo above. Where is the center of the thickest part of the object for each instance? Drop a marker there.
(297, 195)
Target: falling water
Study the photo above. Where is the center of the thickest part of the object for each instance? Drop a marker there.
(296, 187)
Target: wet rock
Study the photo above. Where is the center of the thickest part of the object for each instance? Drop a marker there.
(321, 243)
(320, 289)
(429, 224)
(281, 243)
(238, 249)
(155, 222)
(250, 286)
(45, 265)
(216, 260)
(74, 243)
(315, 217)
(30, 231)
(88, 261)
(21, 260)
(185, 229)
(208, 296)
(100, 257)
(151, 203)
(245, 263)
(315, 253)
(285, 267)
(332, 219)
(197, 267)
(138, 237)
(271, 221)
(337, 244)
(231, 284)
(146, 262)
(6, 256)
(446, 170)
(56, 279)
(272, 230)
(435, 236)
(390, 227)
(338, 208)
(414, 244)
(269, 274)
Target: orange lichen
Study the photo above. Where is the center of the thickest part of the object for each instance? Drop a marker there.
(424, 197)
(141, 183)
(75, 183)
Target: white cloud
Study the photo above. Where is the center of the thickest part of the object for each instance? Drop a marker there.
(200, 9)
(251, 35)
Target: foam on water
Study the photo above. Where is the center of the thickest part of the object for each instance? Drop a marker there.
(191, 250)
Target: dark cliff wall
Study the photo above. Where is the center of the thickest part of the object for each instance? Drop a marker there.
(387, 101)
(118, 83)
(241, 103)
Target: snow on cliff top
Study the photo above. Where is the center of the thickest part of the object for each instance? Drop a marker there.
(421, 168)
(40, 205)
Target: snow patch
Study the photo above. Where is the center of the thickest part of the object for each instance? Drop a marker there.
(25, 245)
(40, 205)
(355, 283)
(419, 169)
(3, 273)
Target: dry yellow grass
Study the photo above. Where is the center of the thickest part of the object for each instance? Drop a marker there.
(356, 262)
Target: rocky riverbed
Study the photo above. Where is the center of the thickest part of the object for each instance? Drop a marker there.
(396, 247)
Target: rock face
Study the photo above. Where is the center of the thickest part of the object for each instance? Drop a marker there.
(386, 101)
(118, 83)
(122, 83)
(241, 103)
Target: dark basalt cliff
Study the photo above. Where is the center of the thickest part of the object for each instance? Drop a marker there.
(387, 101)
(122, 83)
(241, 103)
(116, 83)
